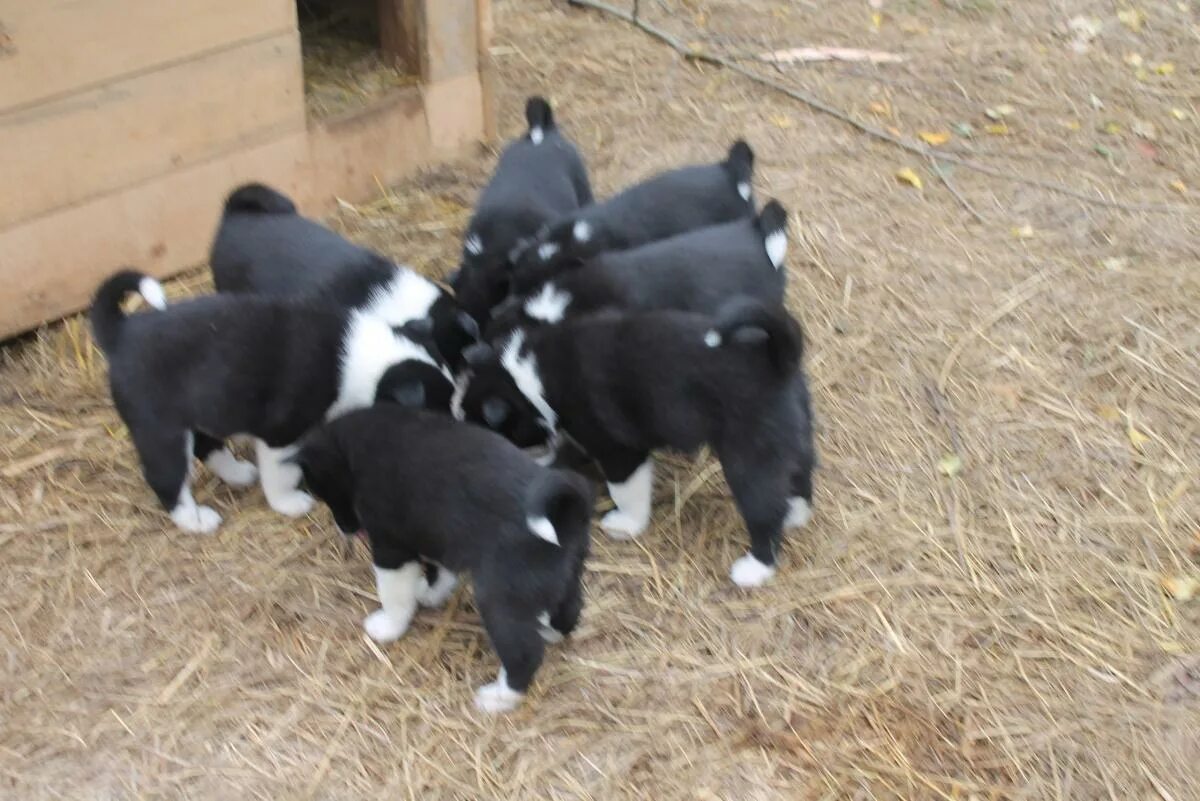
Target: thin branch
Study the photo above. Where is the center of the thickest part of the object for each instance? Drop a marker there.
(817, 104)
(945, 179)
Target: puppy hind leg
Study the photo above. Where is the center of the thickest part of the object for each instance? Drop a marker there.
(631, 486)
(397, 589)
(520, 648)
(562, 620)
(280, 479)
(760, 489)
(166, 463)
(219, 459)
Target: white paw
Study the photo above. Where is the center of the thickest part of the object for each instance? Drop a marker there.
(497, 697)
(230, 469)
(799, 513)
(383, 628)
(196, 519)
(749, 572)
(292, 504)
(436, 594)
(621, 526)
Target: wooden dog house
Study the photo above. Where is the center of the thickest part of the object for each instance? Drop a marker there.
(124, 123)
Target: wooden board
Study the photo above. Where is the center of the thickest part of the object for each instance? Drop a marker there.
(61, 46)
(51, 266)
(70, 149)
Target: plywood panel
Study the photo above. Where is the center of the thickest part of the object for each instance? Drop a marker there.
(51, 266)
(58, 46)
(67, 150)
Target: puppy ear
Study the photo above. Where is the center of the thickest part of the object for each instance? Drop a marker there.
(468, 325)
(410, 394)
(478, 354)
(495, 411)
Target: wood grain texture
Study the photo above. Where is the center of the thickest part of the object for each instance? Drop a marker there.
(67, 150)
(61, 46)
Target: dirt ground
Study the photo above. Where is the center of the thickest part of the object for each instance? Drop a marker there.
(991, 601)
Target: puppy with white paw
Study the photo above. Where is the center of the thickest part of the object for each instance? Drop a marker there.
(662, 206)
(624, 385)
(185, 378)
(264, 246)
(427, 489)
(539, 178)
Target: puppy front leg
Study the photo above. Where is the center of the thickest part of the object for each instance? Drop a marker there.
(280, 479)
(760, 488)
(520, 648)
(233, 471)
(397, 589)
(631, 485)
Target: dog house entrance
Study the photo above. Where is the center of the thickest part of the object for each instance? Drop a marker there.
(354, 52)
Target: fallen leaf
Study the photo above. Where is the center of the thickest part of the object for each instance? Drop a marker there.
(964, 130)
(1085, 29)
(1147, 149)
(877, 20)
(1110, 414)
(1103, 151)
(1179, 114)
(950, 465)
(1137, 438)
(1134, 59)
(1112, 128)
(1073, 125)
(1023, 232)
(934, 138)
(880, 108)
(1115, 263)
(996, 129)
(1181, 588)
(782, 121)
(910, 177)
(800, 55)
(1141, 74)
(1165, 68)
(894, 131)
(1096, 102)
(1179, 186)
(1132, 18)
(1145, 129)
(999, 112)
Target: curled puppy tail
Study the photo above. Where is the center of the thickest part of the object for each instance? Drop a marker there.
(772, 223)
(107, 317)
(558, 507)
(539, 117)
(259, 199)
(740, 165)
(744, 322)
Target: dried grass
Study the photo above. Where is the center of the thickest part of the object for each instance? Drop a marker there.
(1001, 633)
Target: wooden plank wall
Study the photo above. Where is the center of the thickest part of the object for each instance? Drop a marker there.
(124, 123)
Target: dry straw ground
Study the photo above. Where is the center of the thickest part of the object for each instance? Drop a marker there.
(997, 633)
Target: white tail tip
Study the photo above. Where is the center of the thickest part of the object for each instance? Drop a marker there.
(712, 339)
(542, 528)
(153, 292)
(536, 134)
(776, 244)
(582, 231)
(744, 190)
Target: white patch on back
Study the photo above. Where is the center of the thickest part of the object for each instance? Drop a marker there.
(407, 297)
(743, 188)
(713, 339)
(582, 231)
(536, 134)
(547, 250)
(152, 292)
(549, 304)
(542, 528)
(776, 244)
(523, 369)
(369, 348)
(474, 244)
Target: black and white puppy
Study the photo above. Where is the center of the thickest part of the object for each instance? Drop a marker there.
(185, 378)
(539, 177)
(264, 246)
(624, 385)
(662, 206)
(695, 271)
(426, 489)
